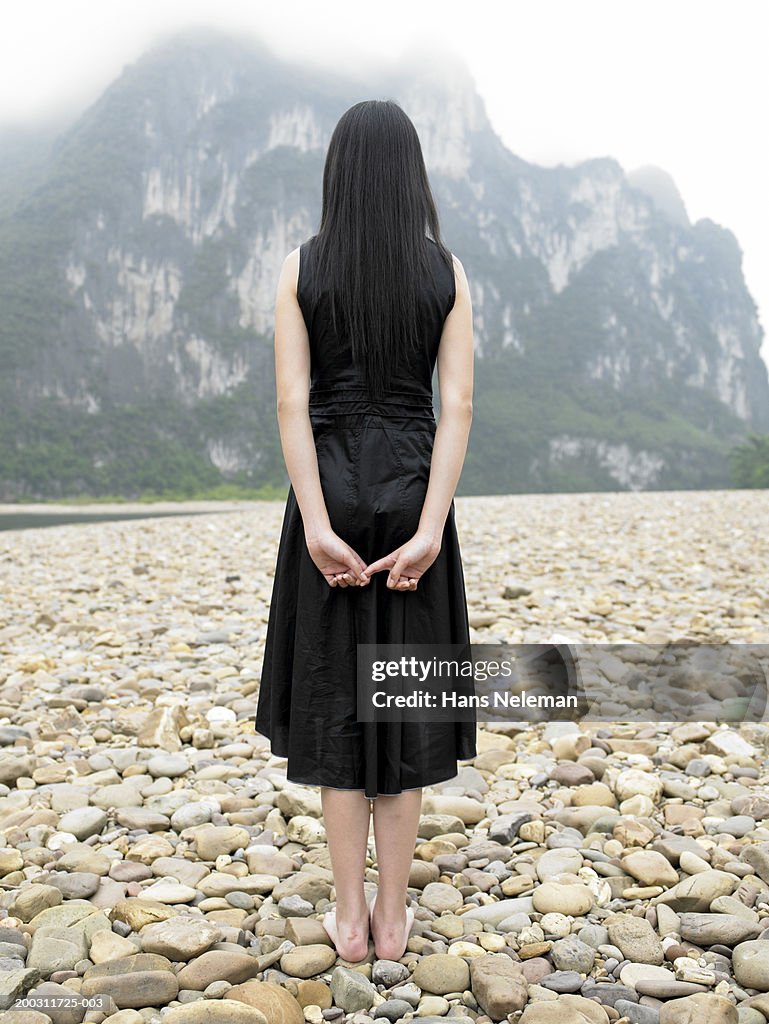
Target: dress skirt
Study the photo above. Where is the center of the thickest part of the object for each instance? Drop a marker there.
(374, 465)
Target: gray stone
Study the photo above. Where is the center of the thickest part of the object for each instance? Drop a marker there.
(410, 993)
(671, 846)
(15, 982)
(393, 1009)
(754, 804)
(737, 826)
(388, 973)
(567, 838)
(57, 949)
(594, 935)
(571, 954)
(13, 768)
(505, 828)
(749, 1015)
(608, 994)
(496, 912)
(192, 814)
(179, 938)
(637, 1014)
(667, 988)
(750, 962)
(709, 929)
(563, 981)
(350, 990)
(757, 855)
(636, 939)
(556, 862)
(143, 979)
(75, 885)
(83, 822)
(696, 893)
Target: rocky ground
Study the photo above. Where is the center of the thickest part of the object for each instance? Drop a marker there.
(153, 855)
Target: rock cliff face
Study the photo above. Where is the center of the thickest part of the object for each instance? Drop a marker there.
(617, 344)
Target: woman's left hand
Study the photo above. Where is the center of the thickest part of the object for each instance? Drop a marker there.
(340, 564)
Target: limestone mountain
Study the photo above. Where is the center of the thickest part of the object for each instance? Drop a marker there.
(617, 344)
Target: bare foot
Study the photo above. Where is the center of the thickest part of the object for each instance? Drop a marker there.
(390, 932)
(350, 938)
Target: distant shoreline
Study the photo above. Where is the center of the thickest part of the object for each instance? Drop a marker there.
(40, 515)
(182, 506)
(44, 507)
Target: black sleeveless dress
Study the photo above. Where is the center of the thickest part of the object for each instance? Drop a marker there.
(374, 464)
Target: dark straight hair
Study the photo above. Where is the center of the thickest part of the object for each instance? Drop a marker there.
(372, 246)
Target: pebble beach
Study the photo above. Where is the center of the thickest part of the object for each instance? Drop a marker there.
(157, 866)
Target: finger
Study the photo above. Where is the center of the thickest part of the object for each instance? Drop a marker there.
(354, 563)
(358, 565)
(401, 584)
(380, 564)
(396, 573)
(406, 583)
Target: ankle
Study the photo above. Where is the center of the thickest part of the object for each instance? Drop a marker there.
(351, 909)
(391, 907)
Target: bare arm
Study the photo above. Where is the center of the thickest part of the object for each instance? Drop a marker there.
(292, 377)
(455, 380)
(338, 562)
(408, 563)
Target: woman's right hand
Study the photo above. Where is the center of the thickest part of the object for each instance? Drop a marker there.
(407, 564)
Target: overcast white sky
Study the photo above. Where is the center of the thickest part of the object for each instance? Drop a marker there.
(678, 84)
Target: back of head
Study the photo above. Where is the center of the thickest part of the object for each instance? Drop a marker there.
(378, 217)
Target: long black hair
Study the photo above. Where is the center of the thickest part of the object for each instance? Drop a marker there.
(372, 243)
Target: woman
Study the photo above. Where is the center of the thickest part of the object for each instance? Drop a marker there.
(368, 550)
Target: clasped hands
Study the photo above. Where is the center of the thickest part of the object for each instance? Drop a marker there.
(342, 566)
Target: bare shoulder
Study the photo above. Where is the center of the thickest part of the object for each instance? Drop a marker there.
(459, 270)
(289, 271)
(459, 276)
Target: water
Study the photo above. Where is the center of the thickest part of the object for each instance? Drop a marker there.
(34, 520)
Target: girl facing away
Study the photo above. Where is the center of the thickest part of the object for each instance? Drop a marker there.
(366, 309)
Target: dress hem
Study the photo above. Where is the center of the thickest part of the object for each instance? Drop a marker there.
(361, 789)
